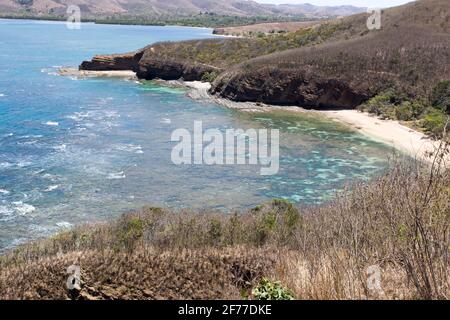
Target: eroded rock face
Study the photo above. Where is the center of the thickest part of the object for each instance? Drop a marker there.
(127, 61)
(150, 65)
(294, 88)
(168, 69)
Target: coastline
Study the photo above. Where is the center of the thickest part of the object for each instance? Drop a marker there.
(391, 132)
(413, 143)
(73, 72)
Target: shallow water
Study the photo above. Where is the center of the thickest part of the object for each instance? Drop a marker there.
(73, 151)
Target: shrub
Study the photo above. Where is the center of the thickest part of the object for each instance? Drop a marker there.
(408, 110)
(267, 290)
(382, 104)
(278, 218)
(435, 122)
(398, 222)
(215, 231)
(209, 76)
(130, 230)
(440, 97)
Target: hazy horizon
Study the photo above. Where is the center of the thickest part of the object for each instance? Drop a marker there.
(357, 3)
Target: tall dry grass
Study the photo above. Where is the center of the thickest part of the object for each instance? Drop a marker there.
(397, 224)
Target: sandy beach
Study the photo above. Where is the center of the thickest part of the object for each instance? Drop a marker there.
(407, 140)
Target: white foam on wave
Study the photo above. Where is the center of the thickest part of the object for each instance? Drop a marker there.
(28, 143)
(116, 175)
(31, 136)
(61, 147)
(129, 148)
(51, 188)
(23, 208)
(22, 164)
(2, 95)
(4, 192)
(64, 225)
(51, 123)
(50, 71)
(78, 116)
(4, 165)
(50, 177)
(5, 211)
(166, 121)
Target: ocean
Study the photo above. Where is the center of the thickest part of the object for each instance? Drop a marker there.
(74, 151)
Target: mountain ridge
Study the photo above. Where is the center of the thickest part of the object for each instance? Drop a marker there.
(155, 8)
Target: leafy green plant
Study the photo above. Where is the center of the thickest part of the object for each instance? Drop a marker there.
(278, 218)
(440, 97)
(130, 230)
(434, 122)
(215, 231)
(209, 76)
(267, 290)
(408, 110)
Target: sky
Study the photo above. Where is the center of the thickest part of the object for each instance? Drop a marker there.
(358, 3)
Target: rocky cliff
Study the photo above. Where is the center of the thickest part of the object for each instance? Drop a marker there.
(127, 61)
(336, 65)
(148, 64)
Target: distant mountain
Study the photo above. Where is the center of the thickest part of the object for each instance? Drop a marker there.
(154, 8)
(317, 11)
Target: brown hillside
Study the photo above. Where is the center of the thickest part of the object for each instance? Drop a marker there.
(169, 8)
(411, 53)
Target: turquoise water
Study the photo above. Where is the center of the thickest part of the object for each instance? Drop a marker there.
(73, 151)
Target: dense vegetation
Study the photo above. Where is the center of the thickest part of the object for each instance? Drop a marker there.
(222, 53)
(431, 115)
(207, 20)
(398, 224)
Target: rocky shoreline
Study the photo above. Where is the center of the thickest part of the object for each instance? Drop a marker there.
(406, 140)
(303, 88)
(148, 66)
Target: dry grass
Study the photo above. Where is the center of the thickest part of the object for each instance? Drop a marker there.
(268, 28)
(399, 223)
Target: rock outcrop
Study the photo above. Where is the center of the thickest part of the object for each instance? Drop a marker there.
(150, 65)
(127, 61)
(294, 89)
(410, 54)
